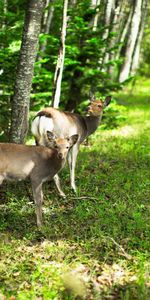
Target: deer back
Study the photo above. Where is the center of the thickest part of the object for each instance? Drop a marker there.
(61, 123)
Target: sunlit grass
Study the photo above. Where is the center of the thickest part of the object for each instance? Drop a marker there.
(94, 245)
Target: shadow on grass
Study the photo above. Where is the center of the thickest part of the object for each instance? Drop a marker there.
(106, 223)
(113, 200)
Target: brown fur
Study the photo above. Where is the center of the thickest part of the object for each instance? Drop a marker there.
(38, 163)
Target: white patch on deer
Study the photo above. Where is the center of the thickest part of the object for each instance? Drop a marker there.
(34, 127)
(45, 124)
(28, 168)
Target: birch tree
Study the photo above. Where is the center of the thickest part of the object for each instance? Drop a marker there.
(47, 21)
(135, 59)
(135, 23)
(95, 4)
(60, 61)
(107, 22)
(115, 28)
(124, 32)
(21, 98)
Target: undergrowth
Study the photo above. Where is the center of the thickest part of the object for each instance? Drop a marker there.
(94, 245)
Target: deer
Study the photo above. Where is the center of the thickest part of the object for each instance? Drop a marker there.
(38, 163)
(62, 124)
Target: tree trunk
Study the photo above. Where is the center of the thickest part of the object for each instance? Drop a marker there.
(24, 74)
(47, 21)
(116, 24)
(135, 60)
(124, 32)
(60, 61)
(4, 11)
(136, 19)
(95, 4)
(73, 2)
(107, 22)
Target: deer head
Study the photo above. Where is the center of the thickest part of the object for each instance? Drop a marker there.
(62, 145)
(96, 106)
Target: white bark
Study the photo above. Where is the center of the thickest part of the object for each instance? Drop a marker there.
(96, 3)
(109, 7)
(124, 32)
(47, 23)
(60, 61)
(135, 60)
(5, 11)
(125, 70)
(73, 2)
(114, 40)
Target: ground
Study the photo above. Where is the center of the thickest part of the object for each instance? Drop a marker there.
(94, 245)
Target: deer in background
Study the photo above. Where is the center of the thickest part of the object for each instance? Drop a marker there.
(35, 162)
(63, 124)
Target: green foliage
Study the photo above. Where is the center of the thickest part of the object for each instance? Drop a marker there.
(11, 22)
(84, 68)
(114, 115)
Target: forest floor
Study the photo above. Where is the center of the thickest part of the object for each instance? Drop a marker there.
(94, 246)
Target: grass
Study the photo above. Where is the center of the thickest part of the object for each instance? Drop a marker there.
(96, 245)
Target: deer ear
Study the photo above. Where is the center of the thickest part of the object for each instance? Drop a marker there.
(50, 135)
(92, 97)
(73, 139)
(107, 101)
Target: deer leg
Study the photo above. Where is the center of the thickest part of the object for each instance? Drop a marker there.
(58, 185)
(38, 199)
(72, 165)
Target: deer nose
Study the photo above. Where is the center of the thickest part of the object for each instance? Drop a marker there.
(60, 155)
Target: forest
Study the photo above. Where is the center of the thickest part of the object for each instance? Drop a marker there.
(74, 80)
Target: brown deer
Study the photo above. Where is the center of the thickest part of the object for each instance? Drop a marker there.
(38, 163)
(67, 123)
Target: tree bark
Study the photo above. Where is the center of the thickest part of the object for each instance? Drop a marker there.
(21, 98)
(5, 4)
(95, 4)
(135, 60)
(116, 24)
(124, 32)
(136, 19)
(107, 22)
(60, 61)
(47, 21)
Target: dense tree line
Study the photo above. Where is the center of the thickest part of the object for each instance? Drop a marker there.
(83, 46)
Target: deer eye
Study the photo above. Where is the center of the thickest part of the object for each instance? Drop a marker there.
(67, 147)
(99, 105)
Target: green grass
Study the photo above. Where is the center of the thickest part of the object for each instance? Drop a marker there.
(96, 245)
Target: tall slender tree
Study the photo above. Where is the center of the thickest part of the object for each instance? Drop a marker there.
(135, 23)
(107, 22)
(46, 24)
(60, 61)
(24, 74)
(96, 5)
(136, 54)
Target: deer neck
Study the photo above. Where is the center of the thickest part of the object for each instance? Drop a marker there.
(92, 123)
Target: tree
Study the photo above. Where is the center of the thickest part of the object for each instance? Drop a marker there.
(98, 34)
(135, 23)
(107, 22)
(136, 54)
(95, 4)
(60, 61)
(21, 98)
(46, 25)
